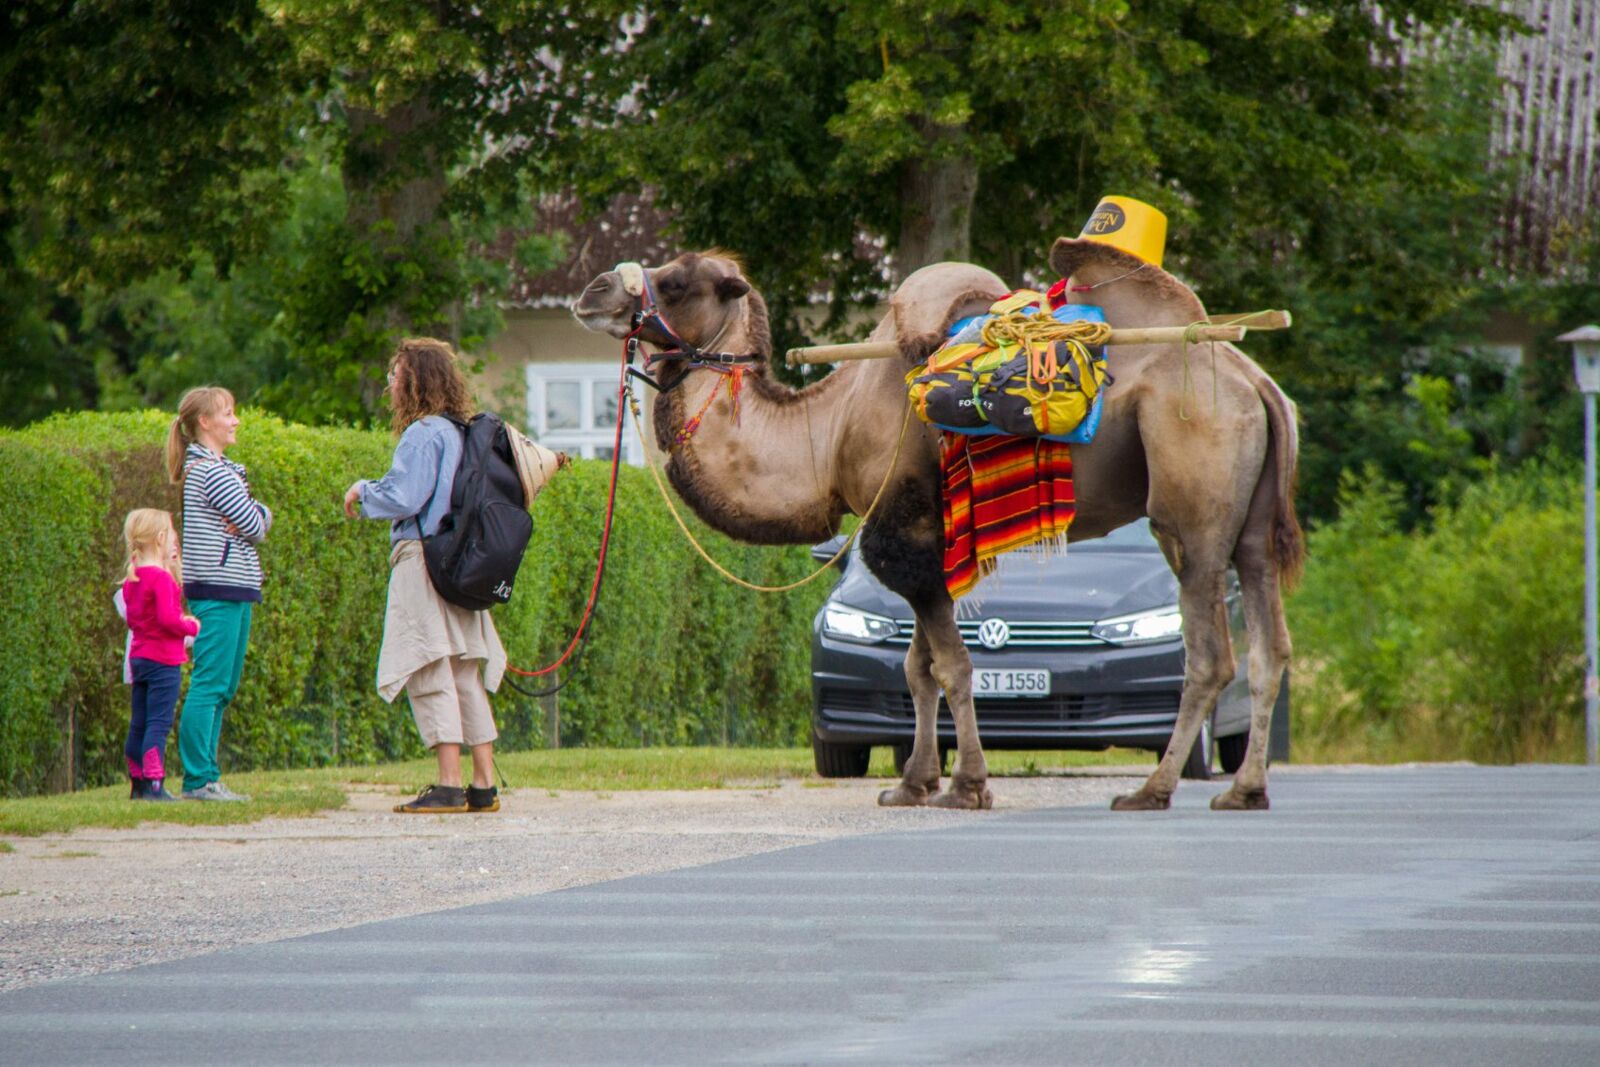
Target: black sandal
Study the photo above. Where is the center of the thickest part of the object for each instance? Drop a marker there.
(436, 800)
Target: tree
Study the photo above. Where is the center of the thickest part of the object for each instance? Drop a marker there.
(1312, 156)
(124, 133)
(319, 175)
(436, 114)
(432, 114)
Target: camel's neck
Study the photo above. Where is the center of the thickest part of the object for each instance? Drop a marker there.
(767, 479)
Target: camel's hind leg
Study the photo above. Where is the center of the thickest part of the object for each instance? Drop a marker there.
(921, 778)
(1208, 668)
(1269, 655)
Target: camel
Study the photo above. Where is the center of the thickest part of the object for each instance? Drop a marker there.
(1208, 453)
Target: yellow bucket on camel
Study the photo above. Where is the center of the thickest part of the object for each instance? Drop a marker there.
(1130, 225)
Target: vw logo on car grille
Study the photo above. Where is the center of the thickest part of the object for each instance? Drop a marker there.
(994, 633)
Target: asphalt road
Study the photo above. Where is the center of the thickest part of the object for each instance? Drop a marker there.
(1444, 915)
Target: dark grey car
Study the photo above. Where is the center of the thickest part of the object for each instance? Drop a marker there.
(1074, 651)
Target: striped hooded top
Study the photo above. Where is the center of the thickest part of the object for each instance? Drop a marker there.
(218, 565)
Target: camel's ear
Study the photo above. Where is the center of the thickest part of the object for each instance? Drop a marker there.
(731, 287)
(1069, 257)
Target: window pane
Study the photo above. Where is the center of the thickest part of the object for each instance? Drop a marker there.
(605, 404)
(562, 405)
(604, 452)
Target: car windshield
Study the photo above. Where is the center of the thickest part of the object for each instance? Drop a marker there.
(1135, 536)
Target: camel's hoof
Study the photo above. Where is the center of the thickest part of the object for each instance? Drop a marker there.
(902, 796)
(964, 796)
(1141, 801)
(1241, 800)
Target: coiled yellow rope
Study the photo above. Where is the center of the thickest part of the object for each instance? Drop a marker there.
(1037, 335)
(1023, 328)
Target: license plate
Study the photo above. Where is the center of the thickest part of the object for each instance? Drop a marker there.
(1010, 683)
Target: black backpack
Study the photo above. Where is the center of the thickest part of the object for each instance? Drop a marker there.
(473, 557)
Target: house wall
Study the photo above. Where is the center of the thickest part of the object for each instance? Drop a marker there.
(1550, 121)
(559, 379)
(535, 335)
(540, 335)
(550, 335)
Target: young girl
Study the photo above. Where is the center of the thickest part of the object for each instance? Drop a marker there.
(446, 659)
(222, 524)
(154, 604)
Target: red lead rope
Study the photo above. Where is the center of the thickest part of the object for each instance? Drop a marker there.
(605, 532)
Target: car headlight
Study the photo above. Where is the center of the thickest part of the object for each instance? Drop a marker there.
(1141, 628)
(851, 624)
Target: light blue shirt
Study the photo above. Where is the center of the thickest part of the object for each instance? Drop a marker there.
(416, 491)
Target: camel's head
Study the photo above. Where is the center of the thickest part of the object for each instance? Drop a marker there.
(698, 295)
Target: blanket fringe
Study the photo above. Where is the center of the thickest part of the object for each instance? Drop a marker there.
(1001, 494)
(995, 572)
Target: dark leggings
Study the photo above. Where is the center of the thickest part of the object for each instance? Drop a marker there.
(155, 698)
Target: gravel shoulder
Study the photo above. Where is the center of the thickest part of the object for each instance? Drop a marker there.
(105, 900)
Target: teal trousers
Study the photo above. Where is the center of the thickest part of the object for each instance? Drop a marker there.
(218, 663)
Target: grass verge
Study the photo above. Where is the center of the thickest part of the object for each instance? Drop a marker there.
(285, 793)
(307, 792)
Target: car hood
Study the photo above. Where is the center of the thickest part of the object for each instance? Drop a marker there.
(1081, 586)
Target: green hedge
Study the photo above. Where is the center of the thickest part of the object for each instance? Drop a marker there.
(1464, 639)
(676, 654)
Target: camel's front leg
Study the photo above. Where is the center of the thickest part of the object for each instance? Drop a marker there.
(1208, 668)
(921, 779)
(952, 667)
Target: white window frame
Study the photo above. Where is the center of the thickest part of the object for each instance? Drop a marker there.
(1509, 355)
(586, 437)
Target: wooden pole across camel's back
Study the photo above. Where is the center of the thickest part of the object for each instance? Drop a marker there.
(1219, 328)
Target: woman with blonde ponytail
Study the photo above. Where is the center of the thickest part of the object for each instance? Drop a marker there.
(222, 524)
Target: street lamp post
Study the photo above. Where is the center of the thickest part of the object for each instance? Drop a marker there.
(1585, 342)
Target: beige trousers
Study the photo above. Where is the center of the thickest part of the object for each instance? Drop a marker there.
(434, 651)
(420, 627)
(450, 704)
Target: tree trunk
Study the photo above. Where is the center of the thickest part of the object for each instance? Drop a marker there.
(936, 197)
(392, 172)
(394, 186)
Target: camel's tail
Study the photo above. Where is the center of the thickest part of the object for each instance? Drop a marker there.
(1288, 542)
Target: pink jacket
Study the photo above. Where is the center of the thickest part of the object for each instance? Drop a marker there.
(155, 615)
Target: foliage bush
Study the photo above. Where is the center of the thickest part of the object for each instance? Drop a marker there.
(675, 654)
(47, 518)
(1504, 625)
(1464, 639)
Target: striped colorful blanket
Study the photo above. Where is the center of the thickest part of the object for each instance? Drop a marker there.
(1001, 493)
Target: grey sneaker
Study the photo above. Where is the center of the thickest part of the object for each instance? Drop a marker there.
(210, 791)
(228, 794)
